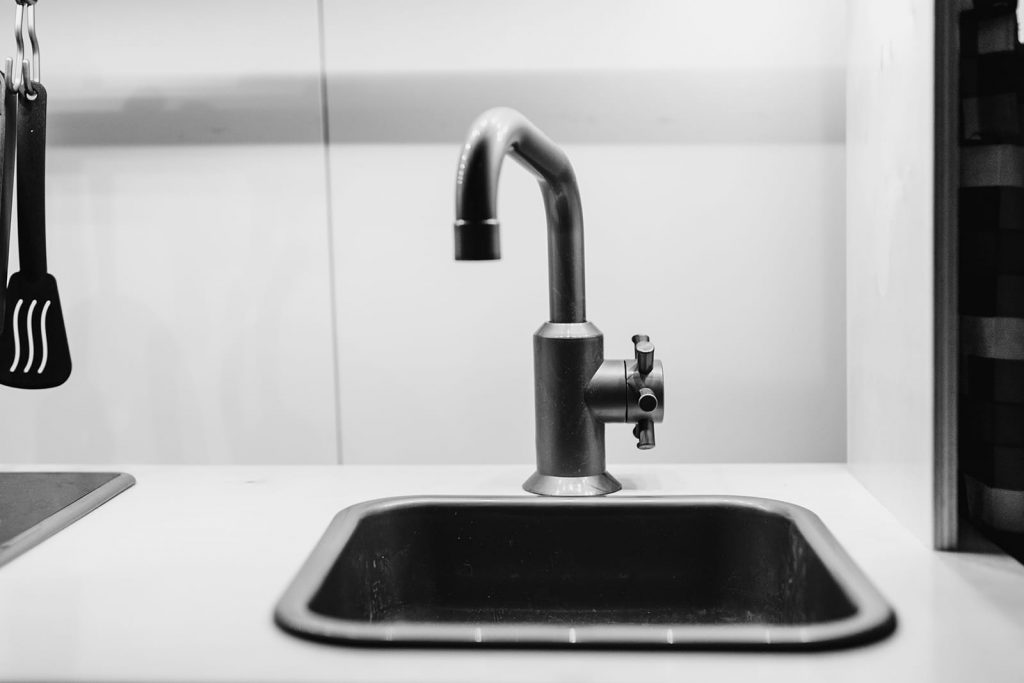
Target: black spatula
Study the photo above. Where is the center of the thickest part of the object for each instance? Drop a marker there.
(34, 344)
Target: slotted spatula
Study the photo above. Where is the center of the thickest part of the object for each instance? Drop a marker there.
(34, 344)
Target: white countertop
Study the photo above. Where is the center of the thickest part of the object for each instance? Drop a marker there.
(176, 580)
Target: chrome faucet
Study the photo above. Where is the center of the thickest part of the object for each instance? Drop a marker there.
(576, 391)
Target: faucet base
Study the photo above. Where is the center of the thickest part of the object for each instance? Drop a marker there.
(592, 485)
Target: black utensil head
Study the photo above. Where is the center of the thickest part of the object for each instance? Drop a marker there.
(34, 344)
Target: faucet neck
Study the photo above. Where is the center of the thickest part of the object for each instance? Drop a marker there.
(502, 132)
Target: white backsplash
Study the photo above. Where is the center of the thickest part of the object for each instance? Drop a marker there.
(189, 218)
(708, 143)
(188, 234)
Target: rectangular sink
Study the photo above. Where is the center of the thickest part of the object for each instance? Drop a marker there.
(683, 572)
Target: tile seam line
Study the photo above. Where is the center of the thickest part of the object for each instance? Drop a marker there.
(329, 204)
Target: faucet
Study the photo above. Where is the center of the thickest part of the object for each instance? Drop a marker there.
(576, 391)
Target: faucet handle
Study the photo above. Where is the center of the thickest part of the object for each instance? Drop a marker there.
(644, 384)
(639, 383)
(644, 433)
(644, 351)
(647, 400)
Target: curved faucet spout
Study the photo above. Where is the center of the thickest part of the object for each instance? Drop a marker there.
(502, 132)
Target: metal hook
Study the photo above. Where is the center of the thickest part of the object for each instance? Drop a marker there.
(34, 42)
(16, 78)
(28, 72)
(27, 87)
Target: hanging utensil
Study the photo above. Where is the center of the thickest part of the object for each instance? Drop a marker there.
(33, 343)
(34, 350)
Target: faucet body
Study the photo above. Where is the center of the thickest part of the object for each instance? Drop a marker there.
(576, 391)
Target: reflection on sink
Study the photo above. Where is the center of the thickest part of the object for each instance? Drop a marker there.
(627, 572)
(36, 505)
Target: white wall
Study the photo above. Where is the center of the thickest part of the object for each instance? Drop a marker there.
(189, 226)
(890, 138)
(708, 142)
(188, 234)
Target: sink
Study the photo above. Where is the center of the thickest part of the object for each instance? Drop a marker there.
(654, 572)
(36, 505)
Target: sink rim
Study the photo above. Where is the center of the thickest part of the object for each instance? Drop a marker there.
(872, 619)
(64, 517)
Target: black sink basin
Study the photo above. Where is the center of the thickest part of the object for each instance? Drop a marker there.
(620, 572)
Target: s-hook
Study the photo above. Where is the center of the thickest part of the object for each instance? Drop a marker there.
(28, 71)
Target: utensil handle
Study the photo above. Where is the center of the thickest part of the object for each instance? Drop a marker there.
(31, 172)
(8, 136)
